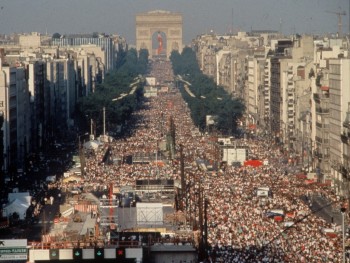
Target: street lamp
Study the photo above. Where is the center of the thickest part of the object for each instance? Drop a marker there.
(342, 210)
(81, 154)
(79, 136)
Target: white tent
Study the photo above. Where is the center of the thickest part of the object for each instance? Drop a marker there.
(24, 197)
(92, 144)
(15, 206)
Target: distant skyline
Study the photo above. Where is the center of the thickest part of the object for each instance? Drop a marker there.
(199, 16)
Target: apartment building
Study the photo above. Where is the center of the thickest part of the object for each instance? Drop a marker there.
(223, 57)
(15, 107)
(33, 40)
(324, 50)
(50, 80)
(40, 84)
(297, 90)
(37, 85)
(339, 98)
(60, 74)
(345, 138)
(290, 96)
(107, 57)
(265, 122)
(278, 62)
(255, 84)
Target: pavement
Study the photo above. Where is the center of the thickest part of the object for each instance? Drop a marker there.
(46, 218)
(330, 213)
(323, 208)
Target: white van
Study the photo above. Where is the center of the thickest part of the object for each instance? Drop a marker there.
(263, 192)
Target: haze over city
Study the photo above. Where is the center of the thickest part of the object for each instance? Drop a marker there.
(178, 131)
(199, 16)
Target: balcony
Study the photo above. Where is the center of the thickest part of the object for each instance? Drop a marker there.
(346, 124)
(320, 110)
(344, 171)
(318, 155)
(318, 97)
(321, 140)
(344, 138)
(322, 126)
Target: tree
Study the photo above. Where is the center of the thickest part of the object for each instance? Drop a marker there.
(56, 35)
(116, 83)
(209, 98)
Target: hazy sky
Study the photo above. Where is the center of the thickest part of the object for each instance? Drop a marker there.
(199, 16)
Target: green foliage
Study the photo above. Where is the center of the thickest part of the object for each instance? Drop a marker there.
(185, 63)
(56, 35)
(209, 99)
(115, 84)
(121, 58)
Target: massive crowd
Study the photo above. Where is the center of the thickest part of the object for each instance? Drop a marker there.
(239, 229)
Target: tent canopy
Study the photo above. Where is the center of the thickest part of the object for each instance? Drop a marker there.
(16, 206)
(92, 144)
(24, 197)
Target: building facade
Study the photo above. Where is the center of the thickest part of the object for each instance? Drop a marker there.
(14, 104)
(108, 56)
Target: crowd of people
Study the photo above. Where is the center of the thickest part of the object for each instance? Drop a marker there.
(239, 228)
(239, 219)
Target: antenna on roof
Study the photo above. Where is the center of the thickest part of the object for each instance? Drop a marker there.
(340, 24)
(281, 22)
(232, 21)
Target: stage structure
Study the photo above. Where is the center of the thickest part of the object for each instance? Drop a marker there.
(149, 213)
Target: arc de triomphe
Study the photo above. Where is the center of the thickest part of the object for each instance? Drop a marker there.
(164, 24)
